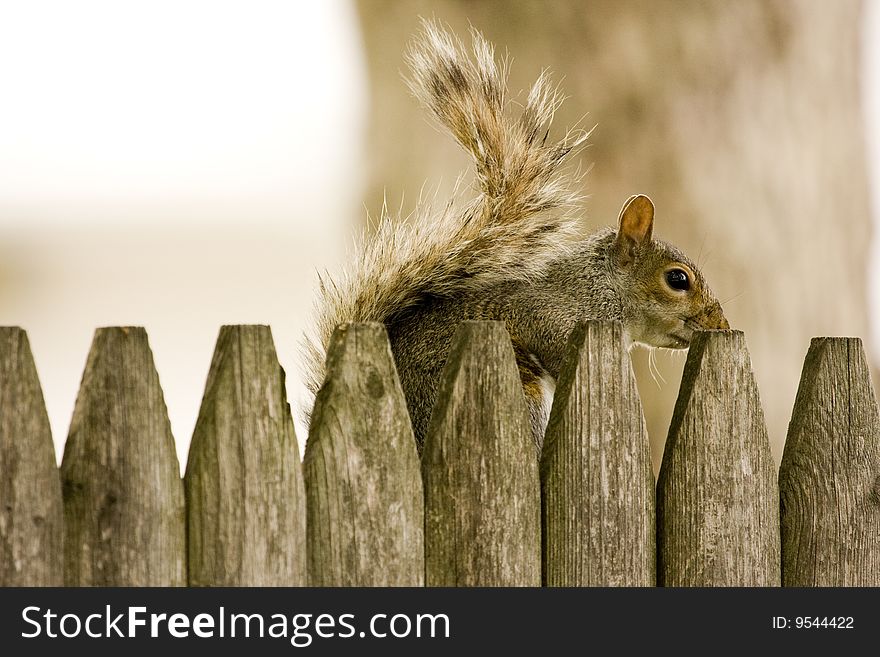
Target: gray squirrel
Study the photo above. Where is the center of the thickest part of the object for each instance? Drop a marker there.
(510, 254)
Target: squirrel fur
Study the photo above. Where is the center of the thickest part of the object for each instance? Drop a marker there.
(510, 254)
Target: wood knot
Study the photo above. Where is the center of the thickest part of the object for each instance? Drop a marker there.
(375, 387)
(875, 491)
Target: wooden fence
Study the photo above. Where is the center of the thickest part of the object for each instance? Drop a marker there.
(478, 509)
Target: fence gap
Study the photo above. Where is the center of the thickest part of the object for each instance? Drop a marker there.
(829, 481)
(482, 493)
(244, 486)
(30, 487)
(123, 497)
(717, 496)
(364, 496)
(596, 477)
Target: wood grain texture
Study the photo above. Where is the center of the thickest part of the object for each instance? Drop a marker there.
(123, 497)
(596, 478)
(244, 490)
(30, 487)
(829, 482)
(482, 492)
(365, 506)
(717, 496)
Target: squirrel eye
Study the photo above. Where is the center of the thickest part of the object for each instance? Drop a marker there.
(678, 279)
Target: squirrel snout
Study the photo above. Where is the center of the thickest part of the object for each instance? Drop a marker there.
(710, 318)
(714, 318)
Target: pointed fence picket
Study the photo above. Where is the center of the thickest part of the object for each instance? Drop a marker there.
(829, 480)
(244, 486)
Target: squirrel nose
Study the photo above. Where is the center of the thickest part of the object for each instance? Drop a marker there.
(715, 318)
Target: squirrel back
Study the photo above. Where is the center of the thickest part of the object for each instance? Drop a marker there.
(510, 254)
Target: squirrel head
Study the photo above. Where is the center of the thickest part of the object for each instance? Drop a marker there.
(666, 297)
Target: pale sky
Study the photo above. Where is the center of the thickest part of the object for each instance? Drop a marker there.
(871, 45)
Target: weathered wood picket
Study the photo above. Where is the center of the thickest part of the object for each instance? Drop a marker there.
(365, 504)
(244, 487)
(597, 483)
(717, 498)
(829, 479)
(124, 514)
(31, 524)
(479, 509)
(482, 497)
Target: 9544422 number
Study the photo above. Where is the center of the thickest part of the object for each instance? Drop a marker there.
(813, 622)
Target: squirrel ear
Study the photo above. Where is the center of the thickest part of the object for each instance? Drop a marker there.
(634, 227)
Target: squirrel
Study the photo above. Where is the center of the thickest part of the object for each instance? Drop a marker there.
(510, 254)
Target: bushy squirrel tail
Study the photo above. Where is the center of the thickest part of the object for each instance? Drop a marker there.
(520, 221)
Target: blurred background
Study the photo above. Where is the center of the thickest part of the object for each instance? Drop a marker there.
(182, 165)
